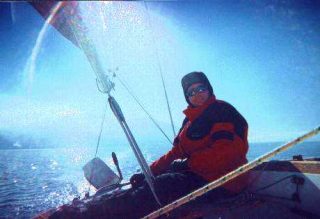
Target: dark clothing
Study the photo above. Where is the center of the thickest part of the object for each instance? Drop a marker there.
(136, 203)
(214, 140)
(139, 202)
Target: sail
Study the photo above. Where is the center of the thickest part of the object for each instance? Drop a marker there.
(65, 16)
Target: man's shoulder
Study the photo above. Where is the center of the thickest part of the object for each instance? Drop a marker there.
(220, 105)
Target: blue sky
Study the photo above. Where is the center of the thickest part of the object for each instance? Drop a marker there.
(263, 58)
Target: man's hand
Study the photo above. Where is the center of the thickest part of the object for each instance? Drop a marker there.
(179, 165)
(137, 180)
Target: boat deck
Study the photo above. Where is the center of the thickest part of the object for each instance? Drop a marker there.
(242, 207)
(279, 189)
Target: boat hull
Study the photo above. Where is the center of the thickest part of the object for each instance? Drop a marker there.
(277, 189)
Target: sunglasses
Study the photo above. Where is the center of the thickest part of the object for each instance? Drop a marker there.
(196, 90)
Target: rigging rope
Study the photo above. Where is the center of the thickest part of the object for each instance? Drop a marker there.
(160, 69)
(130, 91)
(98, 143)
(240, 170)
(139, 103)
(274, 183)
(101, 128)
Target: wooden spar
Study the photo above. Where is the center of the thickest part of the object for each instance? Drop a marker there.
(242, 169)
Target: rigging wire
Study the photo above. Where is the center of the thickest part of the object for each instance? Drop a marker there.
(125, 85)
(100, 132)
(274, 183)
(98, 142)
(160, 69)
(232, 200)
(244, 198)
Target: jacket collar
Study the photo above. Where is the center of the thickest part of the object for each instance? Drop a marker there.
(193, 112)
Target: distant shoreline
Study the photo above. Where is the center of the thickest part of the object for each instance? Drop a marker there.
(276, 143)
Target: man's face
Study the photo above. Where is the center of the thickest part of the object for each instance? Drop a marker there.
(198, 94)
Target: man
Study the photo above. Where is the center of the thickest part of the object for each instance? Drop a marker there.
(213, 137)
(211, 142)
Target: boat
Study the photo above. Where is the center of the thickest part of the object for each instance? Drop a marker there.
(278, 189)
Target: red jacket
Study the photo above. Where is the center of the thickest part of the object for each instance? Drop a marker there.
(214, 139)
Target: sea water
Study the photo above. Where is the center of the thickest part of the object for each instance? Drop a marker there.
(33, 180)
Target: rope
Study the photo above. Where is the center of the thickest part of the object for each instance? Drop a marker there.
(139, 103)
(160, 69)
(240, 170)
(274, 183)
(100, 132)
(98, 142)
